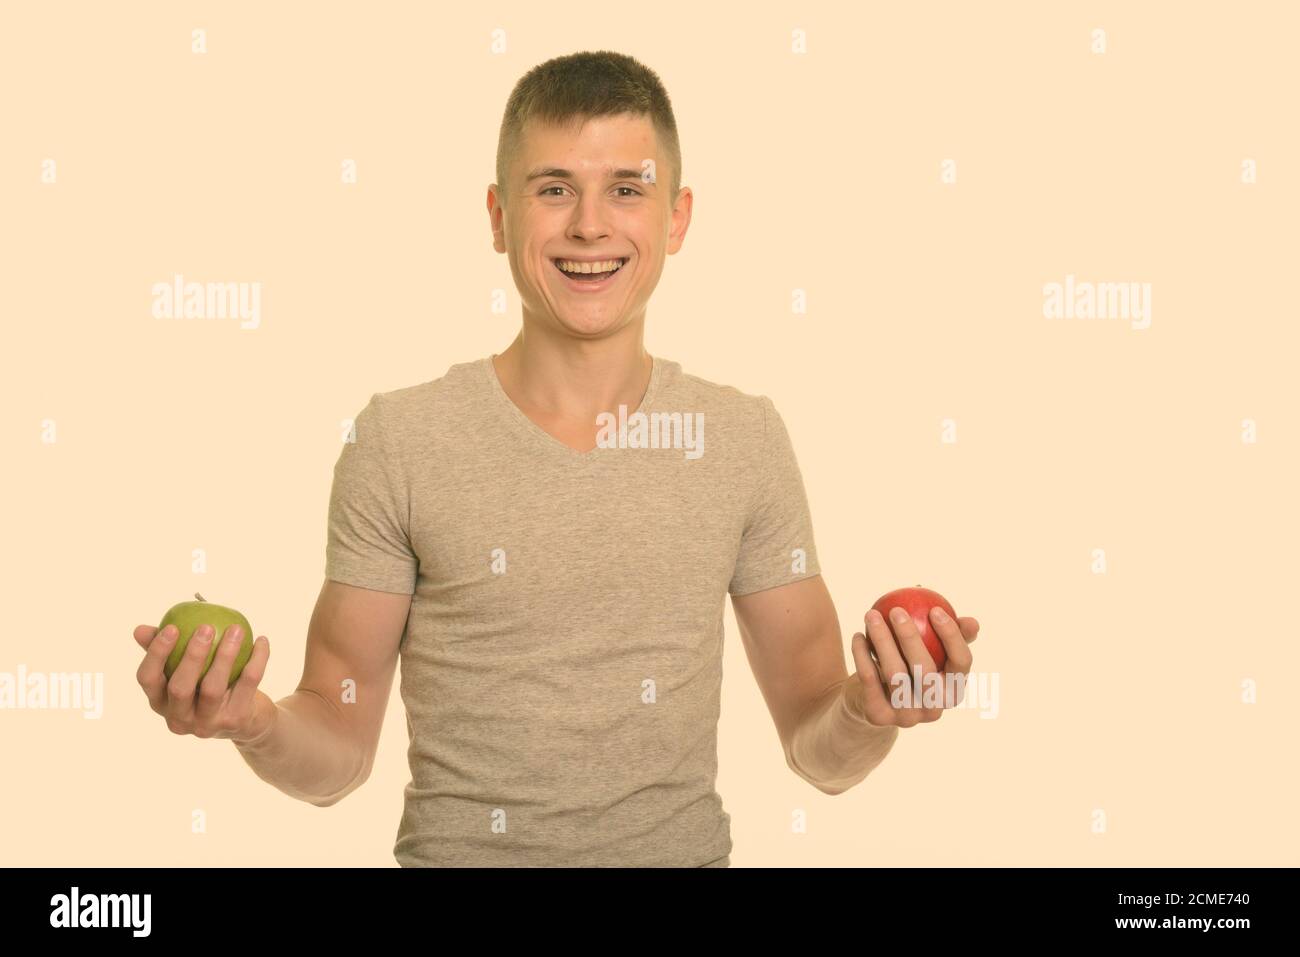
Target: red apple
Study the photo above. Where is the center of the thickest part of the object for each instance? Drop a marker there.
(917, 602)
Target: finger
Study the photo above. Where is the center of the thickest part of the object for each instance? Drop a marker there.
(241, 698)
(885, 647)
(143, 634)
(918, 658)
(880, 673)
(958, 665)
(954, 642)
(892, 667)
(970, 628)
(150, 674)
(875, 705)
(215, 684)
(184, 680)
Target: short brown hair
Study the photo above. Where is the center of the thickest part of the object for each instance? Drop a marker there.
(587, 84)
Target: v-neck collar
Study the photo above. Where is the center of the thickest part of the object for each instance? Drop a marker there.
(538, 434)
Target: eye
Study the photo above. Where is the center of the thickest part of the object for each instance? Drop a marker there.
(548, 191)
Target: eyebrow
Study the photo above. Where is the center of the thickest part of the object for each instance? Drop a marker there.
(558, 173)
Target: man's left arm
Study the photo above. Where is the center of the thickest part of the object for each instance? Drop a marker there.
(835, 728)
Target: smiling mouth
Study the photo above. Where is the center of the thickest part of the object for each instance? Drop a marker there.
(588, 278)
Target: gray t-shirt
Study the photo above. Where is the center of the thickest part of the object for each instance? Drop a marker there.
(562, 662)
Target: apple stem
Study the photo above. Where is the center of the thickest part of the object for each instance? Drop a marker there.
(199, 597)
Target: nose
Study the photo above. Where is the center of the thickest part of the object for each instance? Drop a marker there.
(589, 222)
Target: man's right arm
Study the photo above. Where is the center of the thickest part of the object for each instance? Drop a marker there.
(320, 745)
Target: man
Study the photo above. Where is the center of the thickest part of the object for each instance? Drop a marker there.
(545, 538)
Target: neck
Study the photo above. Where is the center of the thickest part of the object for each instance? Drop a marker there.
(574, 380)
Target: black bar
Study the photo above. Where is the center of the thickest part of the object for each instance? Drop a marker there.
(882, 907)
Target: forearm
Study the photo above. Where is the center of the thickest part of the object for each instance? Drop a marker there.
(833, 747)
(305, 752)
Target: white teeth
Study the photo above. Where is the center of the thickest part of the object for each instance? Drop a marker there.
(569, 265)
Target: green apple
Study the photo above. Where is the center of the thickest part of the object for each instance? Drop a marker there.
(188, 615)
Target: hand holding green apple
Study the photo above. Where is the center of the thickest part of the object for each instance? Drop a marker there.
(189, 615)
(202, 684)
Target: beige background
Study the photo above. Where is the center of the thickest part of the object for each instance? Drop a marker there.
(1119, 691)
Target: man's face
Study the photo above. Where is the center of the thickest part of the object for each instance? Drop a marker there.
(578, 193)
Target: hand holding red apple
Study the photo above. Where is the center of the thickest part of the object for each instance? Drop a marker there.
(927, 635)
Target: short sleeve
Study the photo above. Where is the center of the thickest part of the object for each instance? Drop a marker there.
(776, 547)
(368, 544)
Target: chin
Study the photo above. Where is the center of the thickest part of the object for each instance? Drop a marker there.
(591, 330)
(594, 325)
